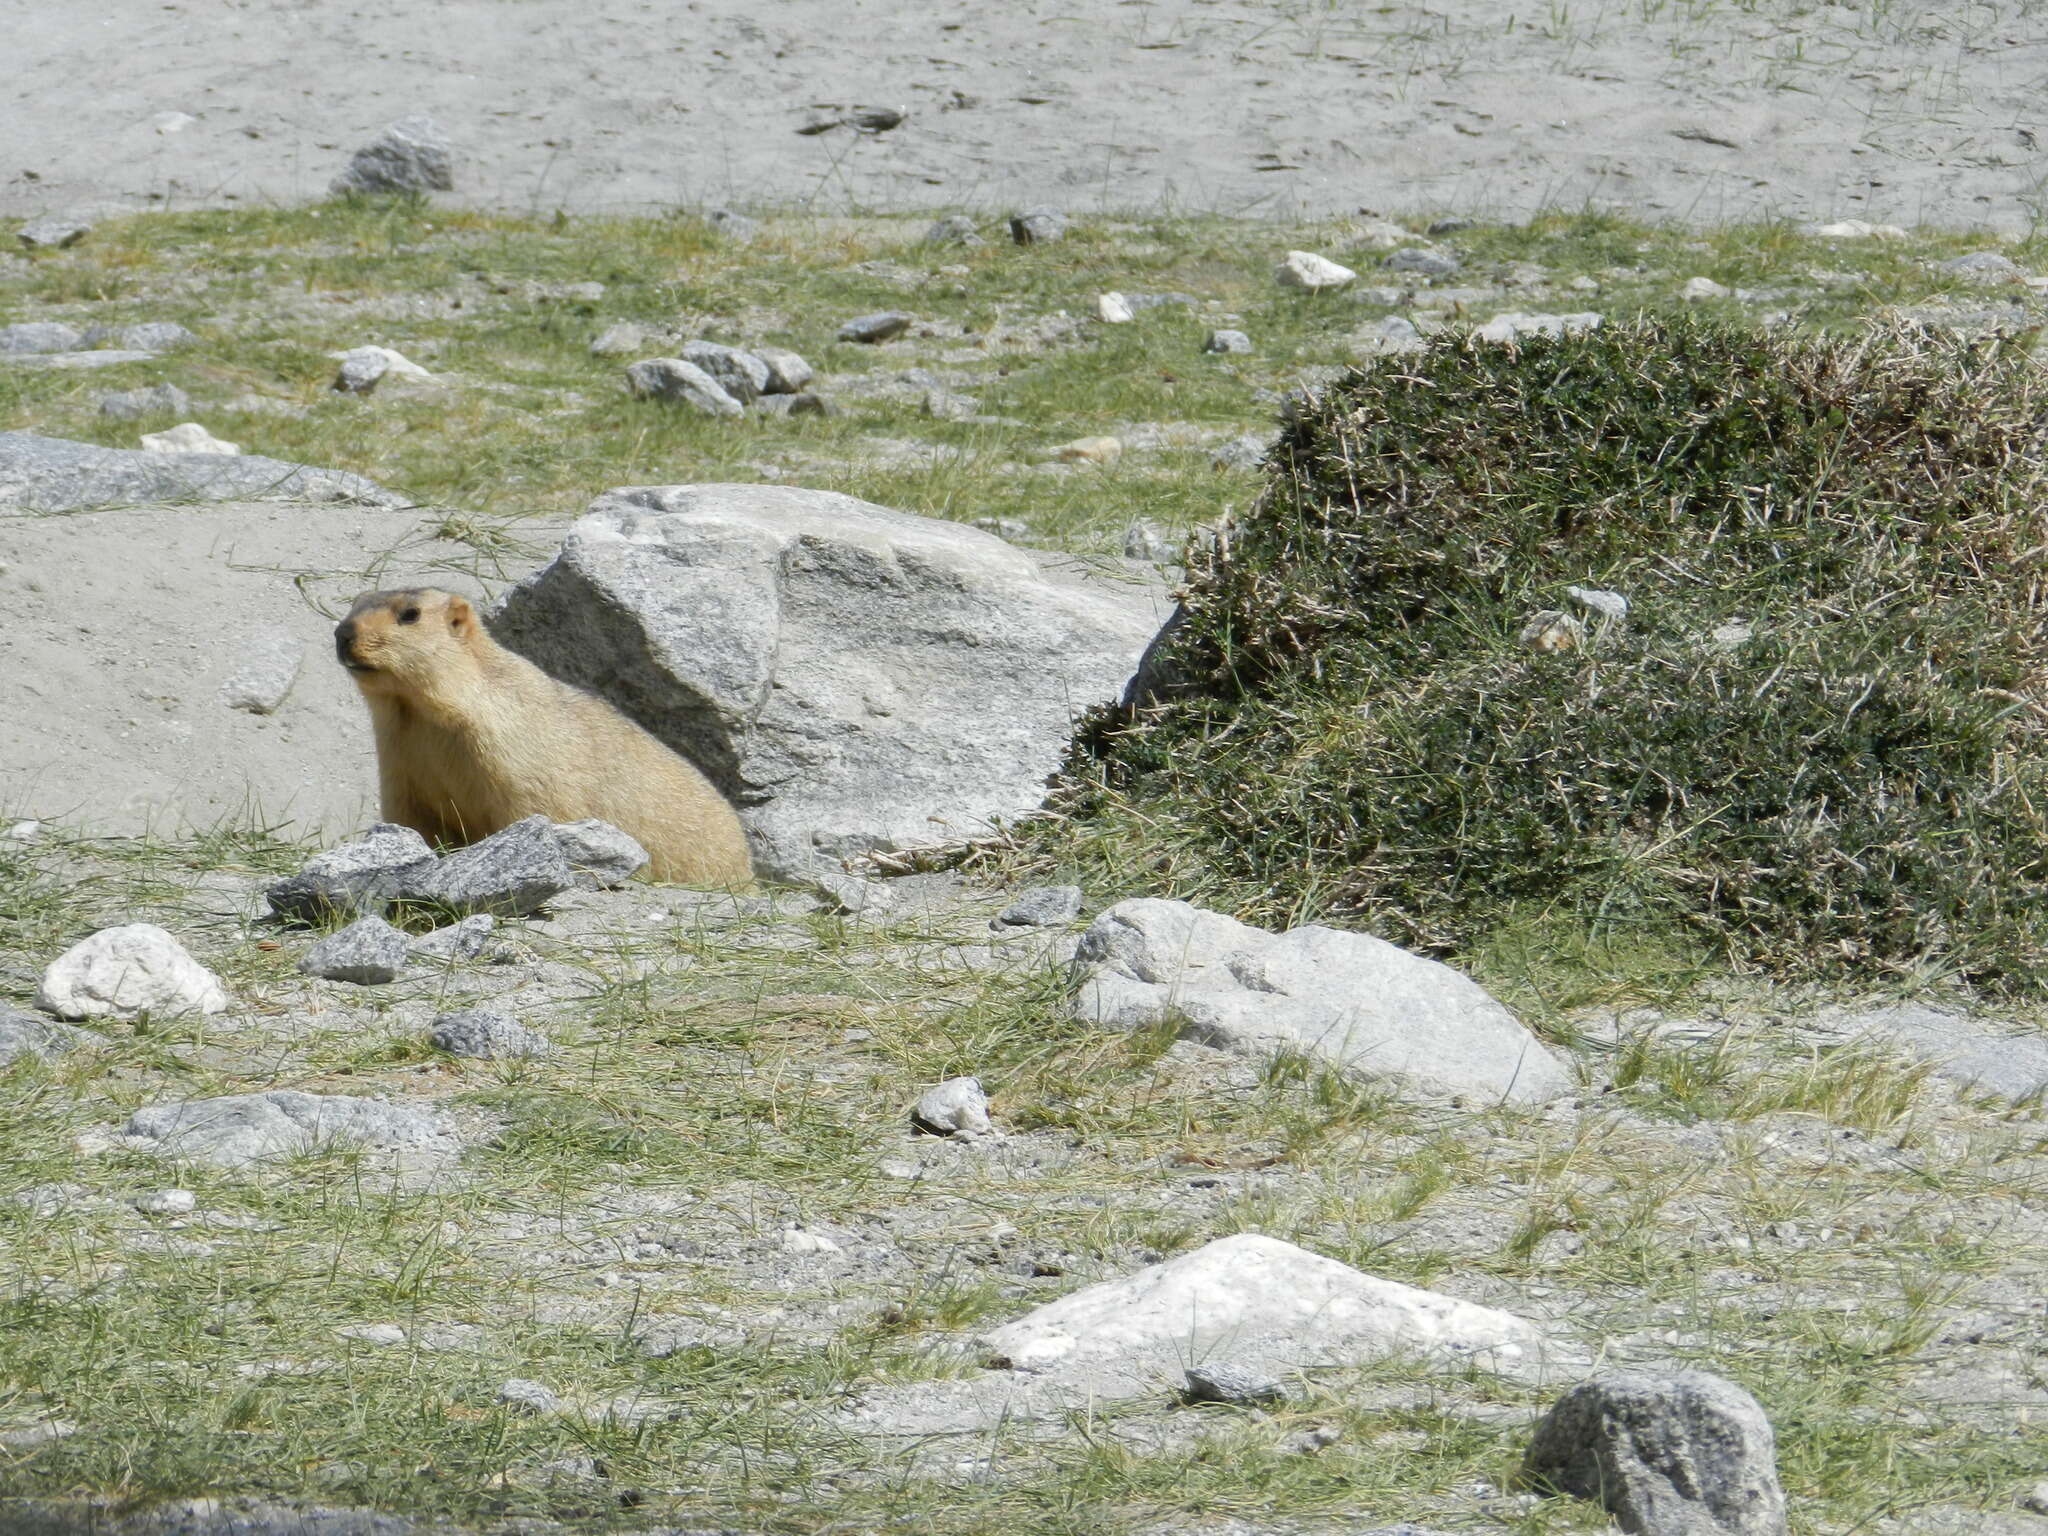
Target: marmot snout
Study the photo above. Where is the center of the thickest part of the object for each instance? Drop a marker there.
(471, 738)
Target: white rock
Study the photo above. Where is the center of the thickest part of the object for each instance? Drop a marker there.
(1514, 325)
(796, 1240)
(172, 122)
(1608, 605)
(1113, 309)
(124, 971)
(167, 1202)
(956, 1107)
(1697, 288)
(1262, 1302)
(1350, 999)
(1305, 269)
(186, 437)
(24, 831)
(381, 1334)
(523, 1396)
(364, 368)
(1856, 229)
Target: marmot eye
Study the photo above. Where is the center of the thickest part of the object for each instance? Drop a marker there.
(409, 616)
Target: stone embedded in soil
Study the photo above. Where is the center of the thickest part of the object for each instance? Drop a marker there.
(1681, 1452)
(1220, 1382)
(1697, 289)
(1087, 450)
(1040, 906)
(53, 231)
(1264, 1304)
(364, 368)
(155, 400)
(242, 1129)
(487, 1036)
(736, 227)
(382, 1335)
(1988, 268)
(1146, 540)
(529, 1397)
(1114, 309)
(268, 666)
(956, 1107)
(24, 1034)
(619, 340)
(1421, 261)
(1227, 341)
(1982, 1058)
(1038, 226)
(740, 374)
(1307, 270)
(187, 437)
(1348, 999)
(167, 1202)
(54, 474)
(154, 336)
(128, 970)
(34, 336)
(512, 873)
(883, 325)
(360, 876)
(601, 856)
(954, 229)
(368, 952)
(412, 156)
(1513, 325)
(465, 940)
(673, 379)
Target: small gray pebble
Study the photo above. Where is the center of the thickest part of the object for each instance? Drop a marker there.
(1217, 1383)
(1227, 341)
(1041, 906)
(870, 329)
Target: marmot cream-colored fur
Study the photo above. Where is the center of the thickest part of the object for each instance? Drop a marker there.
(471, 738)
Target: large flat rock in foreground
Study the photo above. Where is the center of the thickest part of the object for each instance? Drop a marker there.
(854, 677)
(125, 634)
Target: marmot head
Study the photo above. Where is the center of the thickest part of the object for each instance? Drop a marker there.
(402, 642)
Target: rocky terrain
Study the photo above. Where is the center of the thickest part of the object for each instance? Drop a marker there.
(352, 1189)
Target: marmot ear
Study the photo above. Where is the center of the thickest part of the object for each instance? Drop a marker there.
(460, 614)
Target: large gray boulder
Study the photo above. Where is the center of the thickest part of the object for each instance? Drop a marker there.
(1668, 1453)
(1350, 999)
(411, 158)
(55, 474)
(853, 677)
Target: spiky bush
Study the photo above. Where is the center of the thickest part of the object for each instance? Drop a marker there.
(1815, 742)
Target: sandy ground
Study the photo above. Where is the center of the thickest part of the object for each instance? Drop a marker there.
(1891, 110)
(122, 726)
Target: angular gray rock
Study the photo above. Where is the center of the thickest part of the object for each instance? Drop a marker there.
(39, 336)
(369, 952)
(53, 231)
(1038, 226)
(1983, 267)
(1667, 1453)
(247, 1128)
(154, 336)
(1146, 540)
(956, 1107)
(600, 855)
(802, 404)
(670, 378)
(24, 1034)
(1227, 341)
(511, 873)
(854, 678)
(954, 229)
(740, 374)
(1041, 906)
(1422, 261)
(736, 227)
(269, 664)
(1221, 1382)
(361, 876)
(1349, 999)
(621, 339)
(128, 970)
(880, 326)
(488, 1036)
(156, 400)
(54, 474)
(788, 373)
(411, 157)
(465, 940)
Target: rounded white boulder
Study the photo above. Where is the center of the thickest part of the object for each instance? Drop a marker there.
(121, 972)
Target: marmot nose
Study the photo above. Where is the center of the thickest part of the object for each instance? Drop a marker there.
(344, 639)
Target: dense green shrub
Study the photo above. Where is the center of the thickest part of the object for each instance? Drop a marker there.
(1815, 742)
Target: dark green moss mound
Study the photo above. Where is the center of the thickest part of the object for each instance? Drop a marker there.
(1815, 742)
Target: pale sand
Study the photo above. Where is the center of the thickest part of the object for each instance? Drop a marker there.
(1700, 110)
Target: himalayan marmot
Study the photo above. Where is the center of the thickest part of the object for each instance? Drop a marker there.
(471, 738)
